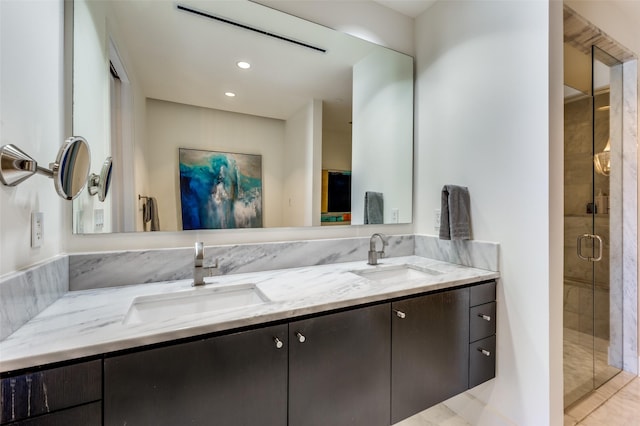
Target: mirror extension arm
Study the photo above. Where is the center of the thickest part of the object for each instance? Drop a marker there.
(69, 172)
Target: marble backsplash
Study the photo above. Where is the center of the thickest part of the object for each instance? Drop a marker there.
(478, 254)
(96, 270)
(26, 293)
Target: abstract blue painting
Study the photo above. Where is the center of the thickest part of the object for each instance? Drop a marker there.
(220, 190)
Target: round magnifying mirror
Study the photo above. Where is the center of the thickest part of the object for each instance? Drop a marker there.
(71, 169)
(99, 184)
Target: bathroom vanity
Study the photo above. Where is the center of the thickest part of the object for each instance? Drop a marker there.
(347, 344)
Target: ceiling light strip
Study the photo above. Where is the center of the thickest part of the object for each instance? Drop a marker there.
(246, 27)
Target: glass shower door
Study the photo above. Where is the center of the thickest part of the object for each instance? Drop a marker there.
(592, 279)
(578, 221)
(607, 223)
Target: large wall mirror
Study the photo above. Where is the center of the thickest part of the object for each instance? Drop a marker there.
(230, 114)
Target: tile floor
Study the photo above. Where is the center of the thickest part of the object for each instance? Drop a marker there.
(616, 403)
(584, 354)
(438, 415)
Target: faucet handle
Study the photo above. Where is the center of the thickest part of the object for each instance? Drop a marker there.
(214, 266)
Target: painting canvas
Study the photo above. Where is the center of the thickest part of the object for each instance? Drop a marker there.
(220, 190)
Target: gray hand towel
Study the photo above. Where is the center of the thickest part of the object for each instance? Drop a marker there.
(150, 214)
(455, 213)
(373, 207)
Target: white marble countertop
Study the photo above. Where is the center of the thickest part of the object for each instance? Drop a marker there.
(91, 322)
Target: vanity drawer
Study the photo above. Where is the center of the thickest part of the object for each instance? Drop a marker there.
(85, 415)
(482, 321)
(47, 391)
(482, 361)
(483, 293)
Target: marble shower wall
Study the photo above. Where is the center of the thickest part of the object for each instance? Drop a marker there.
(630, 215)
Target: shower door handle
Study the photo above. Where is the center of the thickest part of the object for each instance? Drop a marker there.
(583, 237)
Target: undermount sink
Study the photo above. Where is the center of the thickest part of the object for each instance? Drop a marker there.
(400, 273)
(194, 301)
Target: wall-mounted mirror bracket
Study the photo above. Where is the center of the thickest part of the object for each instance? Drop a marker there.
(69, 172)
(99, 184)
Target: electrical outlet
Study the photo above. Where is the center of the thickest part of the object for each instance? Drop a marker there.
(436, 220)
(395, 215)
(37, 235)
(98, 219)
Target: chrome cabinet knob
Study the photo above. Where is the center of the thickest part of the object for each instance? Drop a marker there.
(485, 317)
(400, 314)
(278, 342)
(484, 352)
(300, 337)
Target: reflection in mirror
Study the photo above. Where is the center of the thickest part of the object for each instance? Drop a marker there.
(150, 79)
(71, 169)
(99, 184)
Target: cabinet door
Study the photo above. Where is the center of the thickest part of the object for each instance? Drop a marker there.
(238, 379)
(430, 351)
(340, 374)
(47, 391)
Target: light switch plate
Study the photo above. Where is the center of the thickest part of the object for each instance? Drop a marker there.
(37, 235)
(395, 215)
(436, 220)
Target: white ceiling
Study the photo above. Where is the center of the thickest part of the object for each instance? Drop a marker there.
(411, 8)
(189, 59)
(630, 8)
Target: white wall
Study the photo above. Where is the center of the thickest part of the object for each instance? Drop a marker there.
(31, 117)
(336, 150)
(483, 122)
(382, 88)
(171, 126)
(300, 187)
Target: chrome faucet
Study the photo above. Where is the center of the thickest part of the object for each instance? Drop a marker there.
(200, 271)
(373, 254)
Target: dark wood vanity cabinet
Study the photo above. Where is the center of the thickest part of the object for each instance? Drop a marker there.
(482, 339)
(339, 372)
(371, 365)
(235, 379)
(331, 369)
(66, 395)
(430, 351)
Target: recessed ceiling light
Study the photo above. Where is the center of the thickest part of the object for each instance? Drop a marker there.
(230, 94)
(244, 65)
